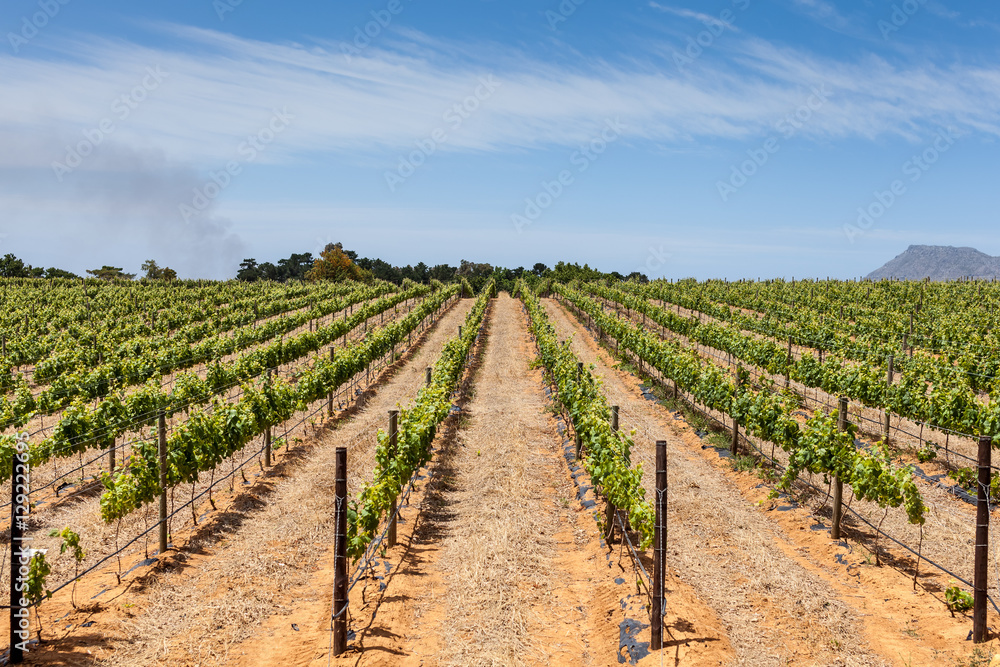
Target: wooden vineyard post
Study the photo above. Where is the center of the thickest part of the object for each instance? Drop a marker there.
(788, 362)
(339, 620)
(267, 433)
(329, 396)
(579, 440)
(162, 447)
(393, 442)
(888, 382)
(979, 629)
(838, 485)
(429, 372)
(659, 547)
(610, 511)
(734, 445)
(111, 454)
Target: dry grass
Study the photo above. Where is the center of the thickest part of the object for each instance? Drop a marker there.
(81, 510)
(499, 546)
(231, 575)
(727, 550)
(272, 549)
(947, 535)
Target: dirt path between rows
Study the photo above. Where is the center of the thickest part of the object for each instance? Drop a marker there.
(774, 610)
(498, 563)
(237, 571)
(521, 576)
(78, 505)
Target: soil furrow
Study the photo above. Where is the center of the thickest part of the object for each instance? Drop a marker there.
(775, 611)
(236, 572)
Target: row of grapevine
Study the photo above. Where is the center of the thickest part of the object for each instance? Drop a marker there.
(83, 427)
(923, 393)
(959, 351)
(416, 428)
(177, 344)
(138, 365)
(607, 452)
(40, 318)
(816, 446)
(210, 435)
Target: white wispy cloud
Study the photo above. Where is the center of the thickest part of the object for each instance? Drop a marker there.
(217, 90)
(685, 13)
(824, 12)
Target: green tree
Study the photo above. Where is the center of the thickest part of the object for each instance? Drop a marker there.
(249, 271)
(152, 270)
(12, 267)
(110, 273)
(334, 264)
(53, 272)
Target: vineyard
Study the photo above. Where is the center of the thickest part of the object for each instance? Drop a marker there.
(543, 472)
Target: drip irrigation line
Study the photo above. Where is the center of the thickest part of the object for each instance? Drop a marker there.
(819, 345)
(235, 361)
(198, 399)
(84, 465)
(170, 366)
(252, 457)
(778, 466)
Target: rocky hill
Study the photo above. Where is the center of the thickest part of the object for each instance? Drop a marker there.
(939, 263)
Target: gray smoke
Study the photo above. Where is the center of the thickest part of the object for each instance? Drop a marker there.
(128, 197)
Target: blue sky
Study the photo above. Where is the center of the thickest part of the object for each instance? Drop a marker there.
(738, 138)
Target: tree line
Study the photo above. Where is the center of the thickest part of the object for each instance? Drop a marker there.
(336, 263)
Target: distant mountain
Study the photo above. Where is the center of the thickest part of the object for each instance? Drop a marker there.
(939, 262)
